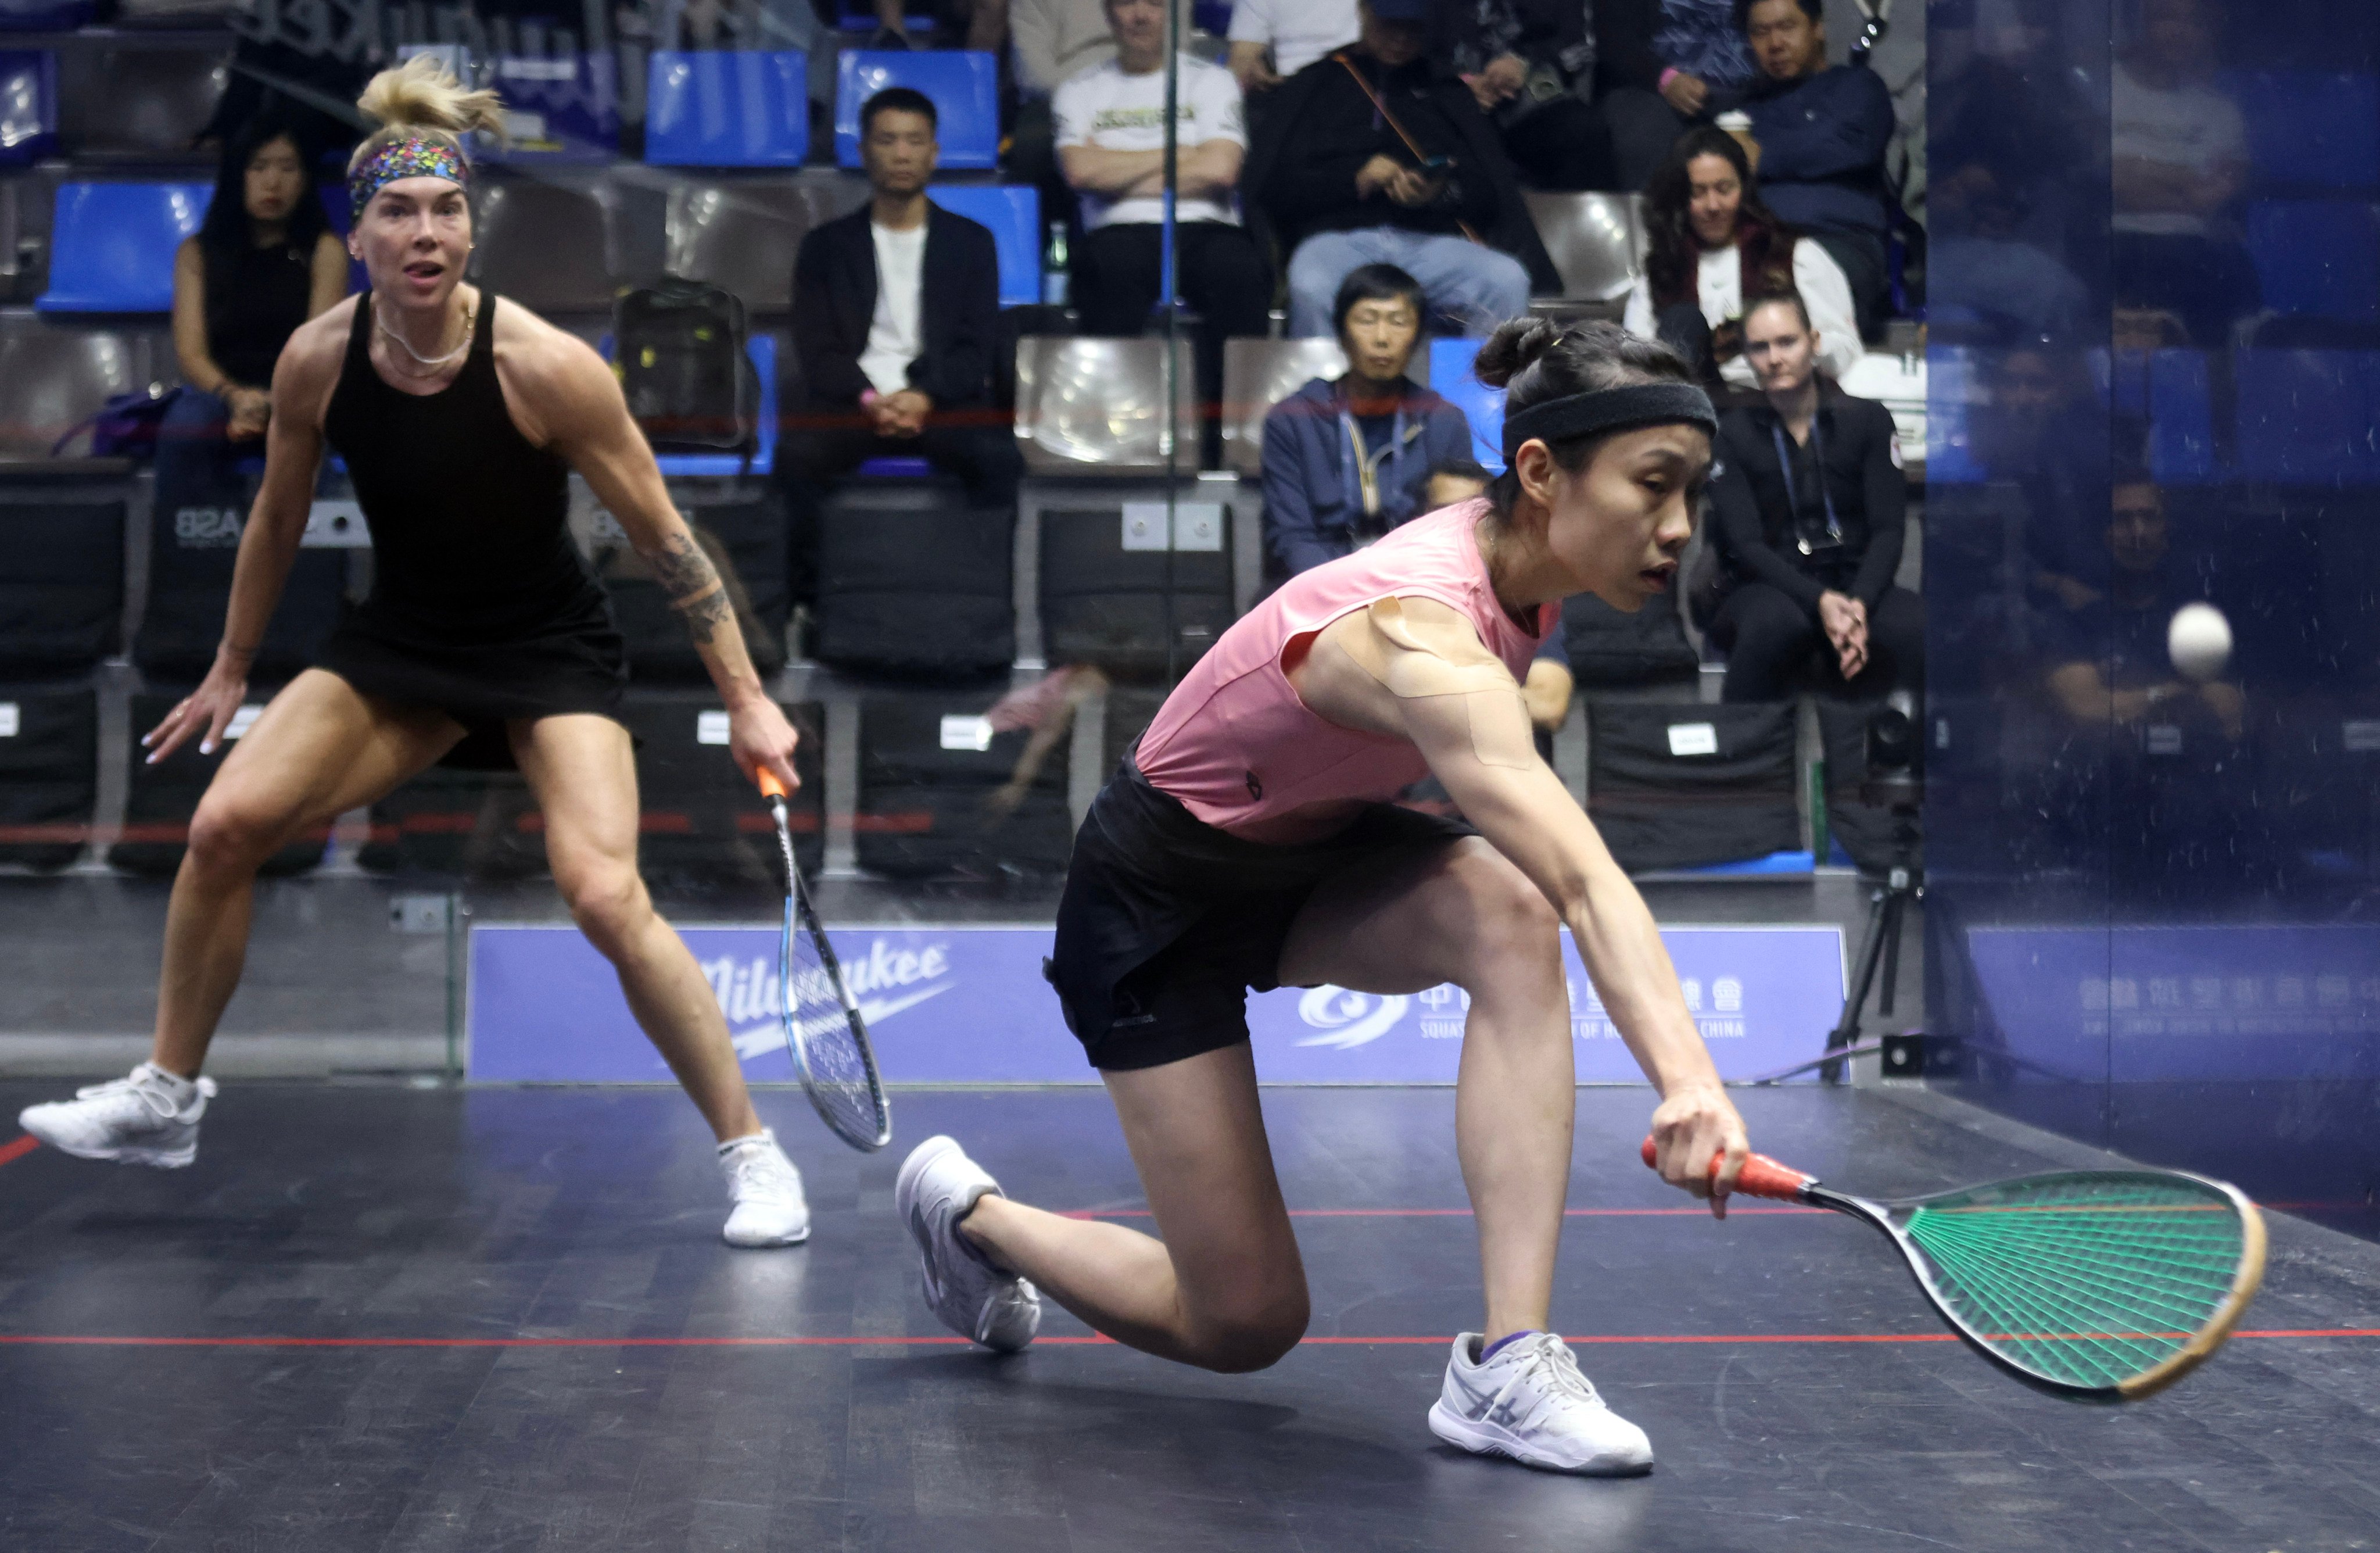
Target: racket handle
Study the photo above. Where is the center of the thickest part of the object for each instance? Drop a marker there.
(1761, 1176)
(769, 785)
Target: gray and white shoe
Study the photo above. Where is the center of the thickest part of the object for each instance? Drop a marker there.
(938, 1186)
(150, 1117)
(1529, 1402)
(767, 1192)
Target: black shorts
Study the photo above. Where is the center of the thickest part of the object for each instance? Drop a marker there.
(1167, 922)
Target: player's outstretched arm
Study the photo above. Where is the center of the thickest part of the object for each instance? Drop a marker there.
(1436, 683)
(578, 409)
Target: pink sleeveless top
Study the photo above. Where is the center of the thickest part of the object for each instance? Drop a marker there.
(1236, 745)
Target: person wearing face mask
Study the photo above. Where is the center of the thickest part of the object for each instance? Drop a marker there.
(1345, 460)
(1712, 245)
(1251, 840)
(1811, 506)
(484, 642)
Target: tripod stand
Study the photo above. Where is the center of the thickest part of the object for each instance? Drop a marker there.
(1904, 881)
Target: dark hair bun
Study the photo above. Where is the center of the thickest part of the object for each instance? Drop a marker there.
(1516, 346)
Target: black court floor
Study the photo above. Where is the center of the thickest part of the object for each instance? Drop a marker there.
(381, 1318)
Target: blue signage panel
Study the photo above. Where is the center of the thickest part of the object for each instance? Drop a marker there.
(967, 1005)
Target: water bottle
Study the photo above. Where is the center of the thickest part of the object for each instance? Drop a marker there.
(1053, 266)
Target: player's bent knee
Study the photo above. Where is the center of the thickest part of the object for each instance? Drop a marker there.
(229, 835)
(1252, 1337)
(1504, 912)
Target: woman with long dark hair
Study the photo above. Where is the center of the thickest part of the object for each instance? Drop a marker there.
(262, 262)
(1712, 245)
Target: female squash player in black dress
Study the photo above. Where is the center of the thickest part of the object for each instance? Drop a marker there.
(484, 642)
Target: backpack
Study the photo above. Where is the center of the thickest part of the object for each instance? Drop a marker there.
(679, 352)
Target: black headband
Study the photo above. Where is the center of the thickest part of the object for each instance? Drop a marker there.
(1608, 410)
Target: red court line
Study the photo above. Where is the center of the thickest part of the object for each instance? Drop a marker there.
(41, 1340)
(18, 1147)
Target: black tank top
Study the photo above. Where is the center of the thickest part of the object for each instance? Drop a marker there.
(256, 299)
(470, 539)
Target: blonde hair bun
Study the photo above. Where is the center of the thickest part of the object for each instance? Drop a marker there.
(422, 94)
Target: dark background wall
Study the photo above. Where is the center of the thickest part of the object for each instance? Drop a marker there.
(2155, 919)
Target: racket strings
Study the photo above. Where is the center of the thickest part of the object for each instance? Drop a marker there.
(819, 1024)
(2089, 1278)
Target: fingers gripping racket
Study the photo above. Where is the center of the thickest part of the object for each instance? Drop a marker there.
(2105, 1285)
(823, 1030)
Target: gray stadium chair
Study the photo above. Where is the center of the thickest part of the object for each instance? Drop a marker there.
(1094, 407)
(742, 234)
(549, 246)
(1596, 241)
(53, 377)
(1259, 373)
(137, 102)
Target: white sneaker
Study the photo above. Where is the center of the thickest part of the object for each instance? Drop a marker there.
(938, 1185)
(149, 1117)
(767, 1192)
(1530, 1402)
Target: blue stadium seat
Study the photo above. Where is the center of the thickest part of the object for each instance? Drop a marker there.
(762, 351)
(561, 108)
(32, 16)
(29, 105)
(897, 469)
(2317, 258)
(744, 109)
(1013, 213)
(964, 85)
(111, 245)
(859, 15)
(2309, 128)
(1450, 373)
(2305, 417)
(2182, 419)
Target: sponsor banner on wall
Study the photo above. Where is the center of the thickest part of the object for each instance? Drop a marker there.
(967, 1005)
(2166, 1004)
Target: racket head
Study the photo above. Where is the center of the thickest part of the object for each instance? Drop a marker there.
(2097, 1285)
(824, 1032)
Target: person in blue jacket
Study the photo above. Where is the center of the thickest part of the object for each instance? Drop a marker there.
(1346, 460)
(1822, 132)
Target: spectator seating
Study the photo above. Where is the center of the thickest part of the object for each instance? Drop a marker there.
(1096, 406)
(913, 581)
(742, 235)
(35, 16)
(928, 770)
(2317, 258)
(760, 349)
(701, 821)
(558, 108)
(159, 798)
(51, 379)
(745, 538)
(445, 825)
(191, 553)
(1596, 241)
(546, 244)
(1013, 213)
(61, 582)
(2306, 416)
(111, 245)
(1450, 373)
(29, 105)
(746, 108)
(964, 84)
(2311, 129)
(1258, 374)
(2169, 390)
(49, 772)
(138, 100)
(1104, 598)
(1692, 784)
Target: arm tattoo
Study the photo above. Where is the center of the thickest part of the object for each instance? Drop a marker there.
(691, 584)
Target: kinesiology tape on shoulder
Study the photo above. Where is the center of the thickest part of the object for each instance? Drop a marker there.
(1490, 701)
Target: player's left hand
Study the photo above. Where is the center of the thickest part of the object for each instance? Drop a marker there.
(760, 739)
(1692, 1125)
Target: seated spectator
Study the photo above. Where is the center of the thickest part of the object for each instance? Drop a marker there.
(1369, 158)
(1820, 134)
(1050, 42)
(1529, 65)
(1112, 148)
(896, 315)
(968, 24)
(1273, 40)
(1662, 67)
(2180, 151)
(263, 262)
(1811, 505)
(1712, 243)
(1457, 480)
(1346, 461)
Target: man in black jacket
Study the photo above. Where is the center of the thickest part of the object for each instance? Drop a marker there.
(1365, 158)
(1811, 507)
(896, 320)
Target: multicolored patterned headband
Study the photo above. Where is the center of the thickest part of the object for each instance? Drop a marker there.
(414, 157)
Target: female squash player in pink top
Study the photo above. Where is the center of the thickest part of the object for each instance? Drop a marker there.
(1250, 841)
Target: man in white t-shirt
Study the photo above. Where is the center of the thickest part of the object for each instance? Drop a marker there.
(1273, 40)
(2181, 152)
(1111, 149)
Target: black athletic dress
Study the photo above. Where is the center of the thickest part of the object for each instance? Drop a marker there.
(481, 605)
